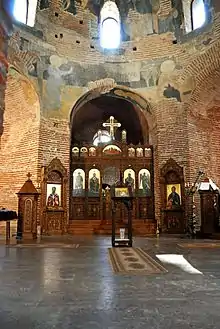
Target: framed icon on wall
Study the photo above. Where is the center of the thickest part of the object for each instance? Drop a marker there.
(144, 182)
(129, 178)
(78, 182)
(54, 195)
(94, 182)
(173, 196)
(121, 192)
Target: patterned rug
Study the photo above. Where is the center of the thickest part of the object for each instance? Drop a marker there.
(200, 245)
(44, 245)
(133, 261)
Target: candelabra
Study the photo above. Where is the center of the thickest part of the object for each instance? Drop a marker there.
(190, 190)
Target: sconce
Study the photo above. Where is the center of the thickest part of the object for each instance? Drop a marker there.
(192, 188)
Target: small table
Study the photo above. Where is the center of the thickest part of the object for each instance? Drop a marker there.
(6, 216)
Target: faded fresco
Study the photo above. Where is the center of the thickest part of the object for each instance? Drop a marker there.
(55, 81)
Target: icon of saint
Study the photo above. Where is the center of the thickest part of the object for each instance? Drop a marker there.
(79, 182)
(129, 181)
(145, 183)
(173, 199)
(94, 184)
(53, 199)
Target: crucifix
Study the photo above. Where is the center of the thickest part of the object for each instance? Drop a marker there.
(112, 124)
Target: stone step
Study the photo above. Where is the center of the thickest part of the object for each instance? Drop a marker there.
(84, 227)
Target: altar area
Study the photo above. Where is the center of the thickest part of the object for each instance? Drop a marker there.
(96, 168)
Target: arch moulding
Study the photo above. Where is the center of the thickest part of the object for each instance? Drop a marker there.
(110, 88)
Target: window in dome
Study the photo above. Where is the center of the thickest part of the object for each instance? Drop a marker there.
(25, 11)
(110, 31)
(198, 14)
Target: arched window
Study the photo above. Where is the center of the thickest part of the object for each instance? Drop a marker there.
(198, 14)
(25, 11)
(110, 31)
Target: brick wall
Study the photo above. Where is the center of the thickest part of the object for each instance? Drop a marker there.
(54, 142)
(20, 141)
(214, 156)
(172, 142)
(5, 31)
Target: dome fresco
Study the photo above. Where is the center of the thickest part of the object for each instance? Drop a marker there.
(63, 49)
(68, 52)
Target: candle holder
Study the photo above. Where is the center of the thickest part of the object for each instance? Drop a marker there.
(190, 190)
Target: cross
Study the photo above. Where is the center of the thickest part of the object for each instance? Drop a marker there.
(112, 124)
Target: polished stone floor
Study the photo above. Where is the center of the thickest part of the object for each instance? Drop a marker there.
(76, 288)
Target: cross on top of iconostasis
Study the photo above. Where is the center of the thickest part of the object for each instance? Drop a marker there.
(112, 124)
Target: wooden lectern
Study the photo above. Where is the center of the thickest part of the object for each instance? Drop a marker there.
(122, 195)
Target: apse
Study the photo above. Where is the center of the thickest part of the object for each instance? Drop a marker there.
(89, 119)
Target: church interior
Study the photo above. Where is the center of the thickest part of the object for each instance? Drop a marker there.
(60, 86)
(109, 122)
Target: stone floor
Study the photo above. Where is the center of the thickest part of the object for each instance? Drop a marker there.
(76, 288)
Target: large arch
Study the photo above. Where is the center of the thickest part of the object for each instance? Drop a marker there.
(143, 109)
(130, 106)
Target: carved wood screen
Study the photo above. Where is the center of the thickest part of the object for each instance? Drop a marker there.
(209, 212)
(54, 198)
(172, 197)
(93, 169)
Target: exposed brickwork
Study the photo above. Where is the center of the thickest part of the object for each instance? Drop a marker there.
(20, 141)
(213, 147)
(54, 142)
(5, 31)
(78, 23)
(165, 7)
(172, 141)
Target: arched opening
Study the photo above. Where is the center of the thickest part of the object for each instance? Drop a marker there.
(88, 119)
(122, 156)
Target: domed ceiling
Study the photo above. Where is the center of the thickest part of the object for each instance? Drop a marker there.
(141, 6)
(166, 22)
